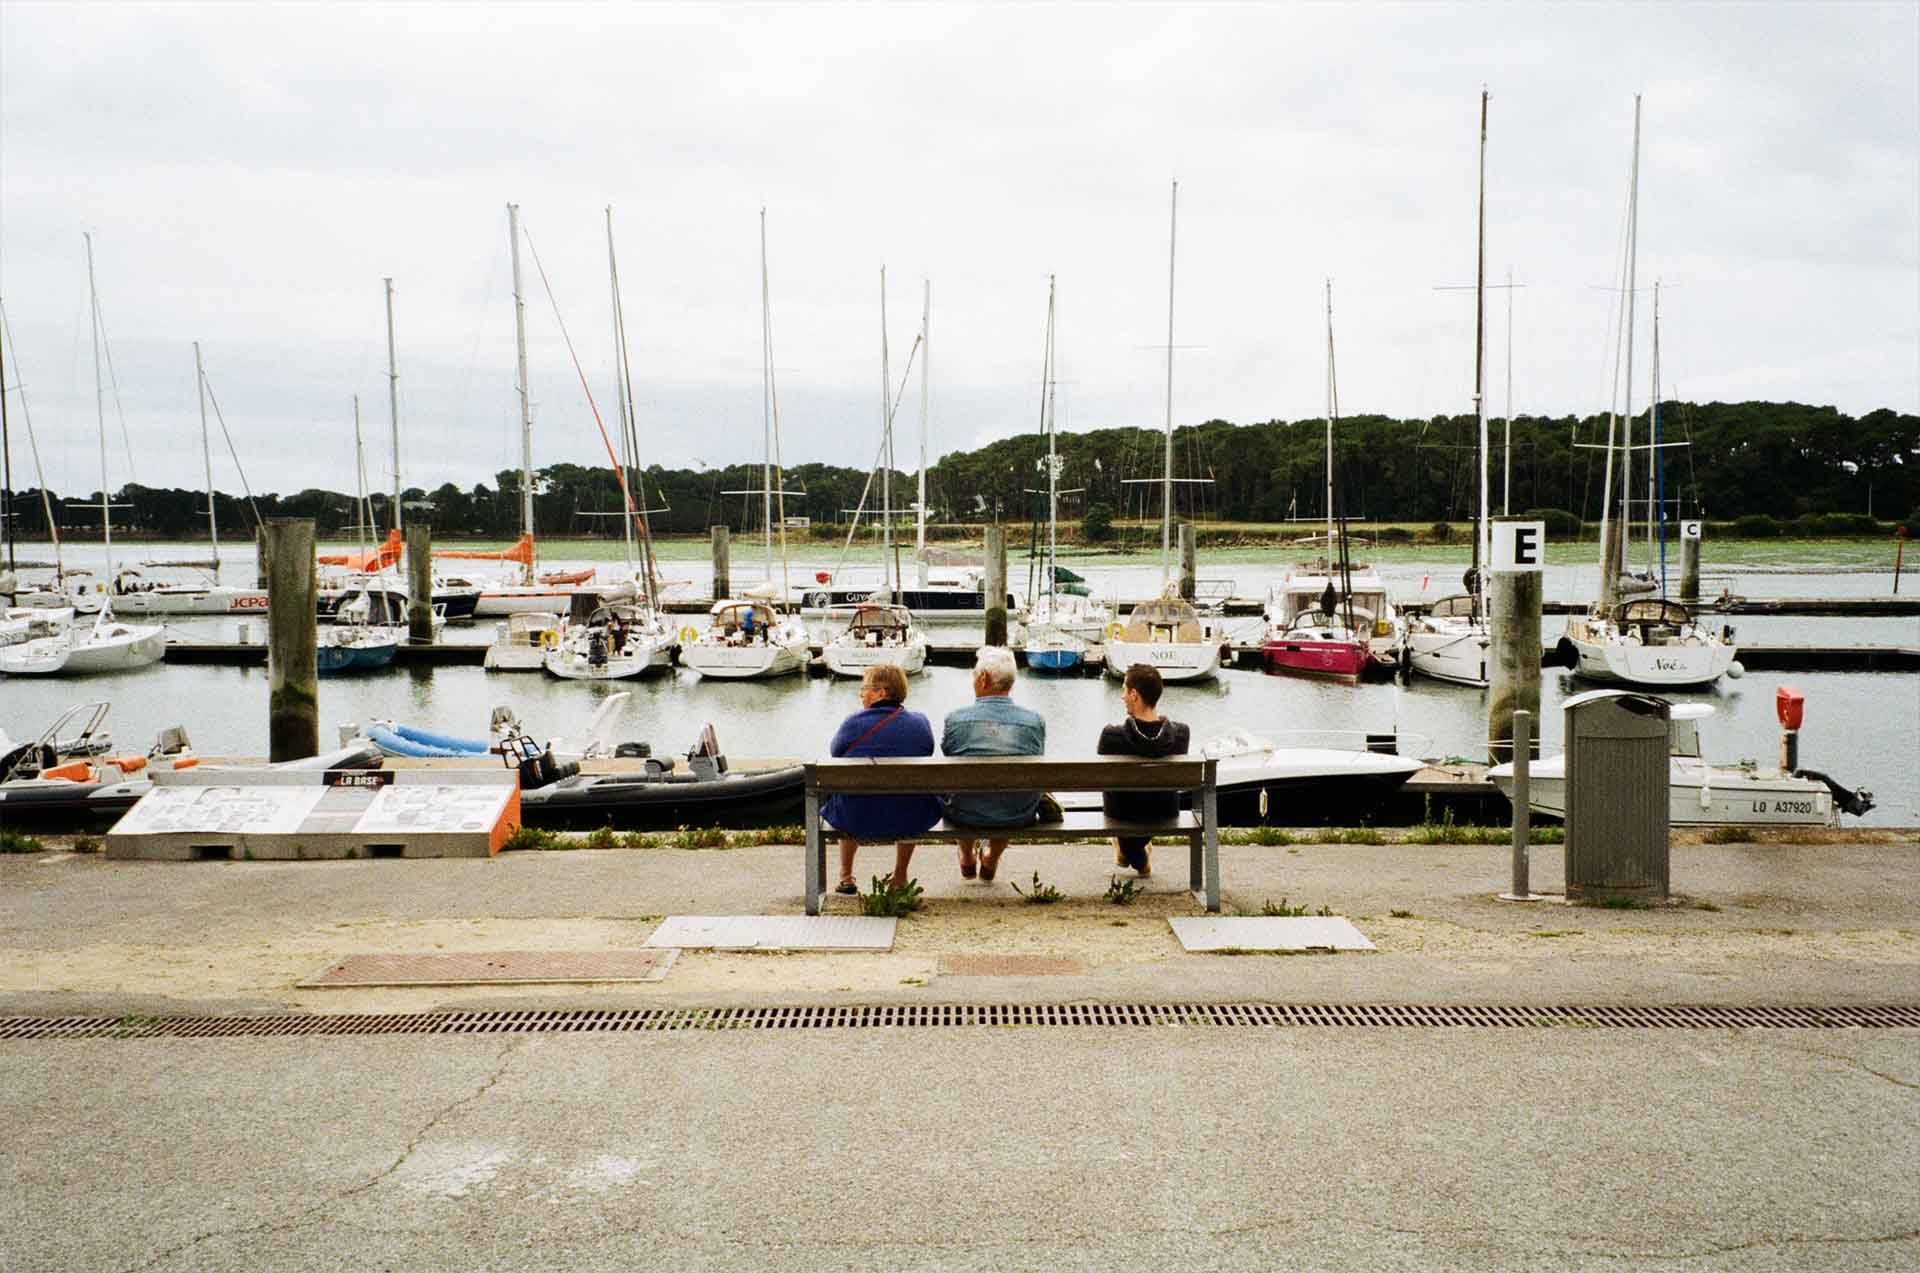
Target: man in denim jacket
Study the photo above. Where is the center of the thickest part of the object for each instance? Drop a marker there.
(992, 725)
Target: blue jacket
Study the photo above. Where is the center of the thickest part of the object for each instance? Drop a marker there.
(994, 726)
(882, 817)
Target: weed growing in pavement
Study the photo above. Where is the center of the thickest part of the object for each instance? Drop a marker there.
(1705, 906)
(1284, 911)
(642, 840)
(701, 838)
(86, 844)
(1396, 914)
(1729, 835)
(1257, 835)
(767, 835)
(1042, 894)
(601, 838)
(1355, 835)
(890, 901)
(1446, 831)
(1122, 892)
(15, 842)
(532, 838)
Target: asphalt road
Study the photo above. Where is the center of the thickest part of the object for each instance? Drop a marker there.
(986, 1149)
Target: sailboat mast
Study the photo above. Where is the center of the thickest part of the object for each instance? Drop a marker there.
(1482, 549)
(620, 395)
(6, 464)
(1332, 410)
(206, 458)
(766, 396)
(1506, 451)
(1656, 509)
(886, 440)
(360, 510)
(1053, 463)
(1166, 483)
(520, 371)
(1633, 261)
(926, 375)
(393, 405)
(100, 410)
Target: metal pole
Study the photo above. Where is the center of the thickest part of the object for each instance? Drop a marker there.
(1166, 500)
(886, 449)
(1506, 452)
(393, 404)
(766, 396)
(206, 458)
(100, 412)
(627, 457)
(6, 481)
(1522, 890)
(1482, 544)
(926, 411)
(520, 369)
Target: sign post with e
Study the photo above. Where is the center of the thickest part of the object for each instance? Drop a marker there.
(1519, 551)
(1519, 546)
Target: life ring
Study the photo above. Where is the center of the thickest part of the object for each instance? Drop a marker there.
(1115, 628)
(688, 635)
(549, 640)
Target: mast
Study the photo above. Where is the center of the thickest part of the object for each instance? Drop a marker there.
(520, 368)
(1053, 466)
(766, 398)
(393, 405)
(100, 413)
(1633, 261)
(1330, 414)
(6, 464)
(1506, 451)
(926, 374)
(620, 395)
(206, 458)
(360, 510)
(1166, 501)
(630, 431)
(1656, 506)
(886, 444)
(1482, 549)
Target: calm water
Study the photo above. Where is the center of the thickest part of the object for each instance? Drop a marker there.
(1863, 728)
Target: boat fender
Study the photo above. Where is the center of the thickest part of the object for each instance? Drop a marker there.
(1858, 803)
(549, 639)
(688, 635)
(1115, 628)
(1566, 654)
(1736, 669)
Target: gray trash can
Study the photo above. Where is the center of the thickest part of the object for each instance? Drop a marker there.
(1617, 796)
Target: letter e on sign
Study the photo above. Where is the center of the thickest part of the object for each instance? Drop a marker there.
(1689, 530)
(1519, 545)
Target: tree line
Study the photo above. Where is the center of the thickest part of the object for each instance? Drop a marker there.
(1781, 460)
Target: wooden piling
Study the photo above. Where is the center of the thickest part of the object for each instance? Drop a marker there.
(1689, 567)
(994, 588)
(1189, 539)
(259, 557)
(722, 565)
(293, 697)
(419, 583)
(1513, 668)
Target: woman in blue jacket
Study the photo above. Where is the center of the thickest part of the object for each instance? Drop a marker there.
(882, 727)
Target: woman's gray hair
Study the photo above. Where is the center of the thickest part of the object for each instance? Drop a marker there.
(995, 662)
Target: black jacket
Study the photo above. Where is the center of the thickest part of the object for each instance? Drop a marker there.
(1132, 737)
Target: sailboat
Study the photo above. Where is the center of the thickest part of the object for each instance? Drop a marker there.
(1450, 641)
(1329, 636)
(1063, 627)
(368, 624)
(883, 634)
(106, 644)
(751, 637)
(1165, 633)
(1646, 641)
(134, 593)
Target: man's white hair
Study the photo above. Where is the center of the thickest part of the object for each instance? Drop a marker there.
(995, 662)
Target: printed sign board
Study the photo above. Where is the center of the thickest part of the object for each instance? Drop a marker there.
(1689, 530)
(1519, 545)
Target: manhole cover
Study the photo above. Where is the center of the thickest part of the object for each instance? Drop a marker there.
(496, 968)
(1008, 966)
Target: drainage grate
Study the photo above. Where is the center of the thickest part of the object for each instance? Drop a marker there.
(932, 1016)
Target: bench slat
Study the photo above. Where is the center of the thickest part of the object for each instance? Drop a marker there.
(942, 774)
(1073, 827)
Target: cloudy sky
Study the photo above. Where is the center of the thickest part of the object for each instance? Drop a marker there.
(251, 173)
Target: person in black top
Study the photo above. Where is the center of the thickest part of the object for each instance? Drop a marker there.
(1143, 733)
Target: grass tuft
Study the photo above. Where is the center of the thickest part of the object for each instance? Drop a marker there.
(15, 842)
(1121, 892)
(1729, 835)
(1042, 894)
(890, 901)
(1285, 911)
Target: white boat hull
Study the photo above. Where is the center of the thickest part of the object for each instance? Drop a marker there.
(80, 652)
(514, 658)
(572, 665)
(496, 603)
(1700, 795)
(742, 662)
(219, 600)
(1174, 660)
(850, 659)
(1454, 654)
(1655, 666)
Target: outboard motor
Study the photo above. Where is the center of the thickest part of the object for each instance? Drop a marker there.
(1790, 705)
(538, 768)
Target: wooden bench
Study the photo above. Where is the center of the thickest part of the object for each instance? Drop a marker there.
(1002, 774)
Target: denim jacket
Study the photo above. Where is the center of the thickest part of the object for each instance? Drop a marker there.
(994, 726)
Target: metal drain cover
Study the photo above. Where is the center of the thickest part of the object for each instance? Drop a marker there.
(496, 968)
(775, 932)
(1261, 932)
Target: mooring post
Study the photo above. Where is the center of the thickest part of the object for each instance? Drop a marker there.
(259, 557)
(1689, 561)
(1899, 551)
(994, 589)
(419, 582)
(1513, 629)
(1188, 553)
(293, 699)
(722, 565)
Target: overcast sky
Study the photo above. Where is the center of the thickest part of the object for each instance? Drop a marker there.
(251, 173)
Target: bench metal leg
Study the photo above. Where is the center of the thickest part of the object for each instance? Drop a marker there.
(1212, 833)
(1196, 870)
(816, 855)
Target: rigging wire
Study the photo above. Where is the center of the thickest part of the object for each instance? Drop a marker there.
(33, 443)
(225, 433)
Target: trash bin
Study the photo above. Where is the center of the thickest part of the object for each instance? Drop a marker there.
(1617, 796)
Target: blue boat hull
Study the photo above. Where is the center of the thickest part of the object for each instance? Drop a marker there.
(333, 659)
(1053, 660)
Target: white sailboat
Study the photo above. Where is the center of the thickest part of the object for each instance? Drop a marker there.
(135, 593)
(1644, 641)
(106, 644)
(751, 637)
(614, 643)
(1167, 632)
(881, 634)
(367, 626)
(1450, 641)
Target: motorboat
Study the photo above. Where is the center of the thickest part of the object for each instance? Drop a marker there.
(1649, 642)
(746, 638)
(76, 589)
(1360, 607)
(613, 643)
(523, 641)
(1449, 642)
(1258, 783)
(104, 645)
(1702, 793)
(877, 635)
(554, 793)
(397, 738)
(70, 773)
(30, 623)
(1168, 635)
(1316, 643)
